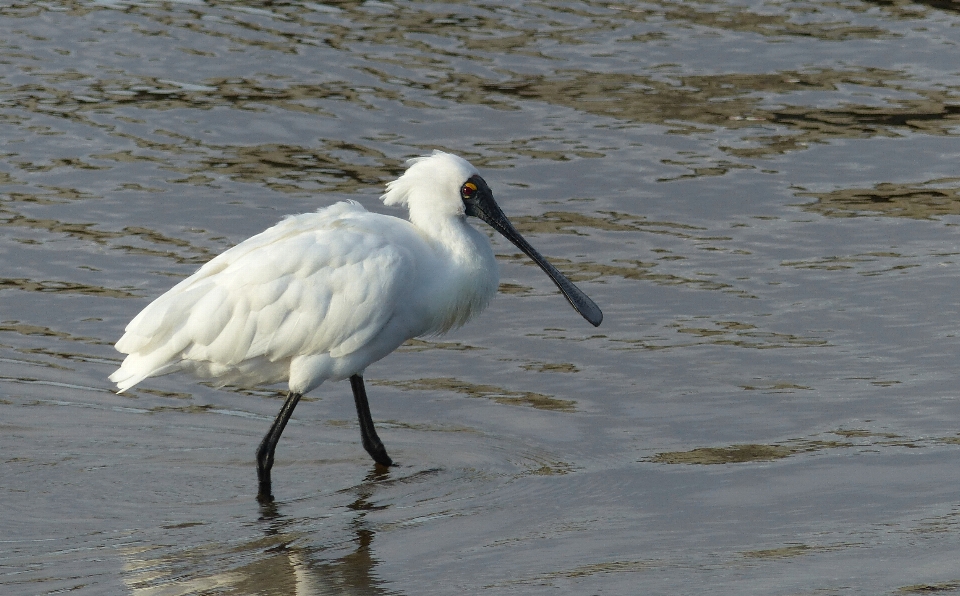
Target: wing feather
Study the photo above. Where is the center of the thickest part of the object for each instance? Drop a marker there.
(326, 282)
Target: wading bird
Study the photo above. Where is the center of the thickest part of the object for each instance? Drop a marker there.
(321, 296)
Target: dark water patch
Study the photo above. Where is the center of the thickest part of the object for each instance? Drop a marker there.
(137, 187)
(851, 433)
(937, 588)
(748, 336)
(60, 403)
(560, 367)
(542, 148)
(833, 263)
(754, 339)
(497, 394)
(53, 196)
(188, 409)
(127, 156)
(724, 455)
(287, 168)
(149, 93)
(28, 329)
(749, 452)
(865, 264)
(949, 6)
(157, 392)
(515, 289)
(744, 19)
(188, 253)
(781, 387)
(939, 524)
(784, 552)
(927, 200)
(744, 101)
(421, 345)
(935, 114)
(424, 427)
(63, 162)
(628, 270)
(555, 469)
(905, 9)
(722, 333)
(583, 571)
(556, 333)
(565, 222)
(92, 233)
(62, 287)
(70, 356)
(20, 361)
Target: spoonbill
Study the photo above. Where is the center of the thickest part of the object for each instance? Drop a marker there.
(321, 296)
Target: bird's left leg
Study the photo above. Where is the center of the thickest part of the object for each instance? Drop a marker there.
(371, 442)
(269, 444)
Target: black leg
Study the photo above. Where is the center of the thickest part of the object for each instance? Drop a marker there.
(269, 444)
(371, 442)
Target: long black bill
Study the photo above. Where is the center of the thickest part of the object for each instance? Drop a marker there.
(483, 206)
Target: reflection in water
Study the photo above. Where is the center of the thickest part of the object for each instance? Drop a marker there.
(284, 563)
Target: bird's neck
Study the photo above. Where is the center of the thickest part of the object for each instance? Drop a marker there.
(467, 274)
(447, 232)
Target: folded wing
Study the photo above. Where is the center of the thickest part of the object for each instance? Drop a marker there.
(326, 282)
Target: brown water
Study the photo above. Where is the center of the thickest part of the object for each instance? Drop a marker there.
(763, 197)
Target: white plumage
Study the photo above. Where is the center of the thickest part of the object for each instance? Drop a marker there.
(320, 296)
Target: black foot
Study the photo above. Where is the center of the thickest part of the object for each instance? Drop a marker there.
(264, 495)
(380, 456)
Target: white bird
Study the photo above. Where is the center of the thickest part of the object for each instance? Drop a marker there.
(321, 296)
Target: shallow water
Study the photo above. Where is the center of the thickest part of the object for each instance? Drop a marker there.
(763, 197)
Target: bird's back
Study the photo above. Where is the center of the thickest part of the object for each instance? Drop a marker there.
(324, 283)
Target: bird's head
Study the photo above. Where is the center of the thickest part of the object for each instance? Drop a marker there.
(442, 185)
(432, 186)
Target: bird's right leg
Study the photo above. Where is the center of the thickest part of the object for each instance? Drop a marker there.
(371, 442)
(269, 444)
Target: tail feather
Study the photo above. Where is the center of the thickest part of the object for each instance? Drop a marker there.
(136, 368)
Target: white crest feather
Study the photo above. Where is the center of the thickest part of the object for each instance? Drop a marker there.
(436, 175)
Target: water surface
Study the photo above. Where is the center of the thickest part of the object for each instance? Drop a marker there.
(762, 197)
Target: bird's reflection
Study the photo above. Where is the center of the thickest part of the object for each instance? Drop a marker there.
(282, 562)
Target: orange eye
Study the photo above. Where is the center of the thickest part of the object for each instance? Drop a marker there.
(468, 190)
